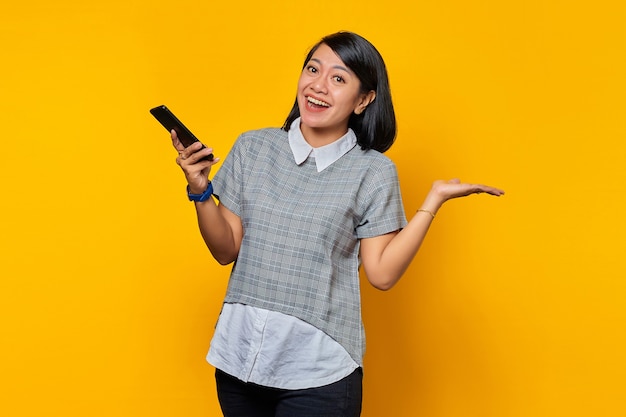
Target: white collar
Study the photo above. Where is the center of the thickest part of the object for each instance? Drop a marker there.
(324, 155)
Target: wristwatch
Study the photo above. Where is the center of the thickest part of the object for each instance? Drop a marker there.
(201, 197)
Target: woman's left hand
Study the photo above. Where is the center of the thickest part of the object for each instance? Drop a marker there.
(443, 191)
(454, 188)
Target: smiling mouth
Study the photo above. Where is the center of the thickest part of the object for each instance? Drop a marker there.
(317, 102)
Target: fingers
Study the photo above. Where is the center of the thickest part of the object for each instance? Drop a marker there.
(454, 188)
(477, 188)
(491, 190)
(194, 154)
(480, 188)
(176, 142)
(195, 168)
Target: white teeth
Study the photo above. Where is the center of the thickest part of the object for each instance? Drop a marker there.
(317, 102)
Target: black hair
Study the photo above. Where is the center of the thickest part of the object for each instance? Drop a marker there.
(375, 127)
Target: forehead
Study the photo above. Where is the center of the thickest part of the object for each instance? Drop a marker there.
(324, 55)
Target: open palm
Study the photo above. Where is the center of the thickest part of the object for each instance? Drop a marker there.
(454, 188)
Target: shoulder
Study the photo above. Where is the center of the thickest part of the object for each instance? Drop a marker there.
(262, 135)
(373, 162)
(252, 141)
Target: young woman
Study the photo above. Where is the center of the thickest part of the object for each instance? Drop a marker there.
(301, 208)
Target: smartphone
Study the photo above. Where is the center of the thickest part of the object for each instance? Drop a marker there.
(169, 122)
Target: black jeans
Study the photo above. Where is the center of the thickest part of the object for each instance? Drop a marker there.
(240, 399)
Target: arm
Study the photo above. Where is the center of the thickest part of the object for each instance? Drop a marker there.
(386, 257)
(220, 228)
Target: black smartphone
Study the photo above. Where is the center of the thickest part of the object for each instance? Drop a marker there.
(169, 122)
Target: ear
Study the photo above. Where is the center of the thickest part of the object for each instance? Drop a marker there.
(366, 99)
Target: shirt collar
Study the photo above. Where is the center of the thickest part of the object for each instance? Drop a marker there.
(324, 155)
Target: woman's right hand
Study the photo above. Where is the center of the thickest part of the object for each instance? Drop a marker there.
(189, 159)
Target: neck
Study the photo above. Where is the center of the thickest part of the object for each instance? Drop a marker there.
(318, 137)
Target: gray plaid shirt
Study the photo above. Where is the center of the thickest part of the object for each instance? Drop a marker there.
(299, 254)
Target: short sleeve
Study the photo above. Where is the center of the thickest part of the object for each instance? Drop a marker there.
(382, 207)
(228, 181)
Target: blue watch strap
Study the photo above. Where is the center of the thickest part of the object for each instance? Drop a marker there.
(201, 197)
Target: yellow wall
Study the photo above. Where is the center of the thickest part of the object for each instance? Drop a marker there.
(514, 307)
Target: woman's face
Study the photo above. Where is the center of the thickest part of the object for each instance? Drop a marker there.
(328, 93)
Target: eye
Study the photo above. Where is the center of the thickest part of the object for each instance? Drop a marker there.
(311, 69)
(339, 79)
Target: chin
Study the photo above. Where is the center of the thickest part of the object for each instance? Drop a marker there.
(307, 120)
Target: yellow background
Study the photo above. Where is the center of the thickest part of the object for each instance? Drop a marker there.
(514, 307)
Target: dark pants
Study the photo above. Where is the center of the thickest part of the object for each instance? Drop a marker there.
(240, 399)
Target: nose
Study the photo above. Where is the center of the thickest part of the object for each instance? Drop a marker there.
(319, 85)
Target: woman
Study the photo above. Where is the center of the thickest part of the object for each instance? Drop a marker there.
(300, 209)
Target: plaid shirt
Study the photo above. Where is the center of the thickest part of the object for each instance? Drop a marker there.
(299, 254)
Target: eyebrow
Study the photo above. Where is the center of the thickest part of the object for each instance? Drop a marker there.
(335, 66)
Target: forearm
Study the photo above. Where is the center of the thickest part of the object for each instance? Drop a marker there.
(400, 251)
(396, 253)
(217, 232)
